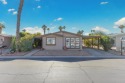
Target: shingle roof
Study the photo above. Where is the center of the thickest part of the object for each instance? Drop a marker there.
(52, 34)
(69, 33)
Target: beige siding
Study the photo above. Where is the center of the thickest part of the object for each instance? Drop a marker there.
(1, 40)
(6, 41)
(60, 41)
(71, 36)
(118, 42)
(58, 46)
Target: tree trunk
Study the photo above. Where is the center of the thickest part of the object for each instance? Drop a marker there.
(18, 24)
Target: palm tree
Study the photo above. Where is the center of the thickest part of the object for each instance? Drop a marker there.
(44, 27)
(61, 28)
(80, 32)
(92, 30)
(18, 23)
(1, 27)
(64, 27)
(122, 27)
(24, 30)
(48, 29)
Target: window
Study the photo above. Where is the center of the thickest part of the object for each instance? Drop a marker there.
(72, 42)
(51, 41)
(68, 42)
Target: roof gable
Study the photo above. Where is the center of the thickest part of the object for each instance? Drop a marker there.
(62, 32)
(52, 34)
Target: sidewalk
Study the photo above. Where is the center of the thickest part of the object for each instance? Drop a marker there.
(93, 54)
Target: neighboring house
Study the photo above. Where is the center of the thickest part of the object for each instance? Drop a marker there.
(117, 41)
(5, 40)
(61, 40)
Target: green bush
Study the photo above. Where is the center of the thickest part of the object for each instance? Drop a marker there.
(13, 45)
(106, 42)
(25, 43)
(88, 43)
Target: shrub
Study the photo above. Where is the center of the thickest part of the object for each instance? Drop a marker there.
(106, 42)
(25, 42)
(13, 45)
(88, 43)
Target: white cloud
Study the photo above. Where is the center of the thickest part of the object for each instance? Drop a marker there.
(37, 0)
(33, 30)
(104, 3)
(15, 12)
(53, 27)
(39, 7)
(3, 32)
(86, 34)
(97, 28)
(4, 2)
(58, 19)
(11, 10)
(119, 22)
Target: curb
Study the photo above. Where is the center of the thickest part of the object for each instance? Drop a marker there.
(59, 57)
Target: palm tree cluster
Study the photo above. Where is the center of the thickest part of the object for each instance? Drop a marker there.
(80, 32)
(92, 31)
(1, 27)
(61, 28)
(44, 27)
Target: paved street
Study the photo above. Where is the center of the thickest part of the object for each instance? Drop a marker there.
(62, 71)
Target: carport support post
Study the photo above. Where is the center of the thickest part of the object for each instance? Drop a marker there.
(98, 43)
(92, 42)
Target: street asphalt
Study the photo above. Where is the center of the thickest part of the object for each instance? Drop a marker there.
(70, 70)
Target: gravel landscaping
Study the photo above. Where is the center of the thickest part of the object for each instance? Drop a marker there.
(61, 53)
(15, 54)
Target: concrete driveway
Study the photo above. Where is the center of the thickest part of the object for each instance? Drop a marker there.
(62, 71)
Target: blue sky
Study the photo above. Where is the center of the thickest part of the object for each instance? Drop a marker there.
(74, 14)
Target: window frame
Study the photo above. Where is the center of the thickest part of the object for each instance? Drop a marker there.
(76, 47)
(51, 44)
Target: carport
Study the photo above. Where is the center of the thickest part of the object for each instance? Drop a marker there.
(92, 38)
